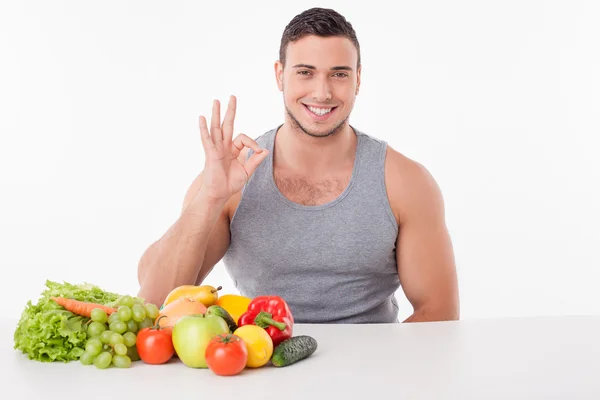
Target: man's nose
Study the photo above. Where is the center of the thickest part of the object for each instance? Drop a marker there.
(322, 91)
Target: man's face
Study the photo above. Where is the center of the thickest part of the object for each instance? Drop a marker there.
(319, 82)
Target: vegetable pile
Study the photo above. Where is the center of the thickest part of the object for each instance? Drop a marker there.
(226, 335)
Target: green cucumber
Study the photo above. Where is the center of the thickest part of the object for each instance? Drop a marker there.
(293, 350)
(221, 312)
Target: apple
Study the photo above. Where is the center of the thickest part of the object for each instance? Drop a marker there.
(192, 333)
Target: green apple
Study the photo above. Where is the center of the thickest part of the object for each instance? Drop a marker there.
(191, 335)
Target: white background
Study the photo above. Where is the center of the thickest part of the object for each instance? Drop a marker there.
(99, 104)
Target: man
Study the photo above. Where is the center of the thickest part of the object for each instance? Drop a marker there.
(314, 210)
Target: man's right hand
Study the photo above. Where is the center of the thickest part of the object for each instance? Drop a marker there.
(224, 174)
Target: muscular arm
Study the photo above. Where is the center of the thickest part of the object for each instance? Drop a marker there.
(187, 252)
(200, 237)
(191, 248)
(425, 256)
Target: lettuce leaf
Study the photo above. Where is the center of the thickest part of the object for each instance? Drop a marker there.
(47, 332)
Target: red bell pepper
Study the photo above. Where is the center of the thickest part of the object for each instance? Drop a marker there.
(271, 313)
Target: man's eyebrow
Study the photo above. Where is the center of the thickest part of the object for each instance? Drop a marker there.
(336, 68)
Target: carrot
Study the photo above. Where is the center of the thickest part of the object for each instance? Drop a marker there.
(81, 307)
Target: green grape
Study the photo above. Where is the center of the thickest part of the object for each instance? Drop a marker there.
(129, 339)
(124, 313)
(132, 326)
(105, 336)
(118, 326)
(127, 301)
(133, 354)
(98, 315)
(120, 349)
(96, 329)
(121, 361)
(139, 313)
(87, 358)
(116, 338)
(151, 310)
(139, 301)
(93, 346)
(103, 360)
(146, 323)
(113, 317)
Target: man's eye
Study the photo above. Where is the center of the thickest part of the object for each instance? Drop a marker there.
(303, 72)
(341, 74)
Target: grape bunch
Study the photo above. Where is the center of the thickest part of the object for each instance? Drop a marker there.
(112, 339)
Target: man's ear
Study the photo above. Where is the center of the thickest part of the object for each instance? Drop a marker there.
(279, 74)
(358, 79)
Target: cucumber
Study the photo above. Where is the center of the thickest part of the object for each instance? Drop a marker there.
(292, 350)
(221, 312)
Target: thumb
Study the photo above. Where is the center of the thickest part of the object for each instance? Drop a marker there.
(254, 161)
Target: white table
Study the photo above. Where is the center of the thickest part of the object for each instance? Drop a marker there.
(519, 358)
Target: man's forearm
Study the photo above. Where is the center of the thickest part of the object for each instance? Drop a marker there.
(177, 257)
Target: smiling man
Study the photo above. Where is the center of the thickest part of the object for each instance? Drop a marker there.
(331, 218)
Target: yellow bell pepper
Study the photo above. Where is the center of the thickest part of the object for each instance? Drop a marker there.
(234, 304)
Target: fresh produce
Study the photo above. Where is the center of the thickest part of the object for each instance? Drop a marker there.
(293, 350)
(224, 334)
(258, 343)
(155, 345)
(179, 308)
(81, 307)
(221, 312)
(226, 354)
(235, 304)
(47, 332)
(112, 339)
(205, 294)
(271, 313)
(191, 335)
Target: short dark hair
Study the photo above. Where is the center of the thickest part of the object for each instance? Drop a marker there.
(323, 22)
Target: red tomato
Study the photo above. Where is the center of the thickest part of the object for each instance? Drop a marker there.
(226, 354)
(155, 345)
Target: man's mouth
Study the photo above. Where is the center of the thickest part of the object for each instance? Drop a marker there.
(319, 113)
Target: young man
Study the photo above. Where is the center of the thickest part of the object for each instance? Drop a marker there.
(314, 210)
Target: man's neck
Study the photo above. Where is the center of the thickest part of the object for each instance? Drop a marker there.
(297, 151)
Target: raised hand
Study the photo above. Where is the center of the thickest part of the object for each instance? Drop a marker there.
(224, 174)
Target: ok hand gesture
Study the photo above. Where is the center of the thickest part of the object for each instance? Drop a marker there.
(224, 174)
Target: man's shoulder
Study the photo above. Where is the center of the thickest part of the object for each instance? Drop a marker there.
(408, 183)
(398, 166)
(402, 166)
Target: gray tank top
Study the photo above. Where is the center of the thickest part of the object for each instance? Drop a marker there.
(332, 263)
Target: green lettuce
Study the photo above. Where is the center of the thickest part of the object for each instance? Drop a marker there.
(47, 332)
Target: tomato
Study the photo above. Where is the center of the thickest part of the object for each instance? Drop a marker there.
(226, 354)
(155, 345)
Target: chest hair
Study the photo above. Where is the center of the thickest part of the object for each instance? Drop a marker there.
(310, 192)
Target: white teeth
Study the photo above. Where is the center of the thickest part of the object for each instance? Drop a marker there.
(320, 111)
